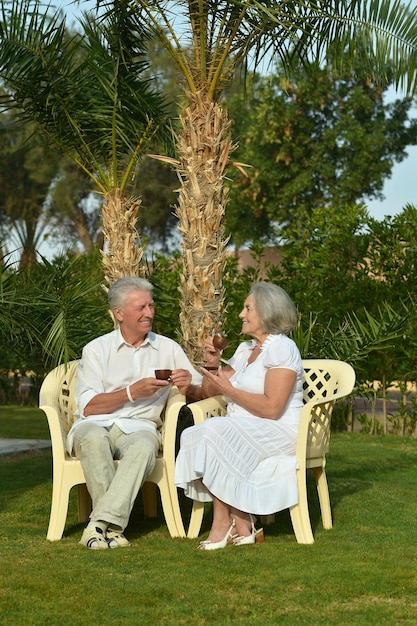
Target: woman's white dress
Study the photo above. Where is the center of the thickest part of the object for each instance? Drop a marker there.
(246, 461)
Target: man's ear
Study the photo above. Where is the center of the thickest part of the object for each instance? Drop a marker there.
(118, 314)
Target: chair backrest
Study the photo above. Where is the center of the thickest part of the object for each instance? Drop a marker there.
(326, 380)
(57, 391)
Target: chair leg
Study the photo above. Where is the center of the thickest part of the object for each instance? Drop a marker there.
(149, 499)
(324, 498)
(84, 503)
(266, 520)
(59, 510)
(175, 507)
(171, 508)
(196, 519)
(300, 516)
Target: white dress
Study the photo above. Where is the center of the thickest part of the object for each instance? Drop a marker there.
(247, 462)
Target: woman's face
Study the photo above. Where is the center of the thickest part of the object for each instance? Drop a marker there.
(251, 324)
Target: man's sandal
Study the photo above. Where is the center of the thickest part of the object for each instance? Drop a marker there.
(93, 537)
(116, 539)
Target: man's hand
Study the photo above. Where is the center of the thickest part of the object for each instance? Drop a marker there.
(146, 387)
(181, 379)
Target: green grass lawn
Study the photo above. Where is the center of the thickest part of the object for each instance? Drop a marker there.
(363, 571)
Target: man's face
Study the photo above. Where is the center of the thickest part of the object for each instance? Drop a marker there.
(137, 314)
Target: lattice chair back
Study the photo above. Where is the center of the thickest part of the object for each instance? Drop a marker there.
(66, 400)
(324, 379)
(57, 393)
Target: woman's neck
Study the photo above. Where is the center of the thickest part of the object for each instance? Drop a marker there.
(260, 339)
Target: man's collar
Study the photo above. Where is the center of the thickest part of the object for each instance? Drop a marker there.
(150, 338)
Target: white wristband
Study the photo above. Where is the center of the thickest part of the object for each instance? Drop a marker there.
(129, 395)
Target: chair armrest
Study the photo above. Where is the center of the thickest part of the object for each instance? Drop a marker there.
(172, 410)
(314, 429)
(175, 402)
(209, 407)
(56, 433)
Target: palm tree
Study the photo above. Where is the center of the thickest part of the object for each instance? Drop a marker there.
(87, 94)
(209, 40)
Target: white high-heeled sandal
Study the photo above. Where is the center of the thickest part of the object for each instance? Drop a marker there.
(217, 545)
(256, 536)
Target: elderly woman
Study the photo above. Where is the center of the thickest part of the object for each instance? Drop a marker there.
(245, 462)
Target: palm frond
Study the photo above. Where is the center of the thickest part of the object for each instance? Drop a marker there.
(356, 338)
(383, 33)
(86, 92)
(210, 39)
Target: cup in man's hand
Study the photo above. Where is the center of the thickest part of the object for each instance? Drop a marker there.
(163, 374)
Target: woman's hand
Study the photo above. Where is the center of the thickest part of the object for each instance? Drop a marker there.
(219, 382)
(212, 354)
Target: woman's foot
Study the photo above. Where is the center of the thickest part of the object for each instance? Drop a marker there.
(215, 543)
(249, 534)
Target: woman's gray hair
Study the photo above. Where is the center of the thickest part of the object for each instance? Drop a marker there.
(275, 308)
(123, 287)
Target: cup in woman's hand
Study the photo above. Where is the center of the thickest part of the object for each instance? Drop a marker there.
(220, 342)
(163, 374)
(211, 368)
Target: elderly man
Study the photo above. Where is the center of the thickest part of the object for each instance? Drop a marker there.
(119, 404)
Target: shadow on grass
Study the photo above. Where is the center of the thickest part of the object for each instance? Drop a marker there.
(354, 465)
(23, 472)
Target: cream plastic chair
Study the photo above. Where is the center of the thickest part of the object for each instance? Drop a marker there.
(56, 399)
(326, 381)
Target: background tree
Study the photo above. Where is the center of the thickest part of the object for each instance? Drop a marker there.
(157, 222)
(86, 93)
(155, 181)
(323, 264)
(312, 140)
(49, 312)
(43, 194)
(208, 41)
(353, 281)
(392, 259)
(74, 211)
(26, 171)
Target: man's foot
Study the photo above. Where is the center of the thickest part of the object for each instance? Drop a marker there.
(94, 538)
(116, 539)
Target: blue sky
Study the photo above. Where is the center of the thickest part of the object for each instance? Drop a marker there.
(401, 188)
(398, 190)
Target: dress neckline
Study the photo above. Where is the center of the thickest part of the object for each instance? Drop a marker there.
(255, 343)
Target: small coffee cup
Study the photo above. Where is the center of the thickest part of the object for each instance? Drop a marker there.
(163, 374)
(220, 342)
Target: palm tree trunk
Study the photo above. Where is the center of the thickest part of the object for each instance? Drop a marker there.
(122, 254)
(204, 146)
